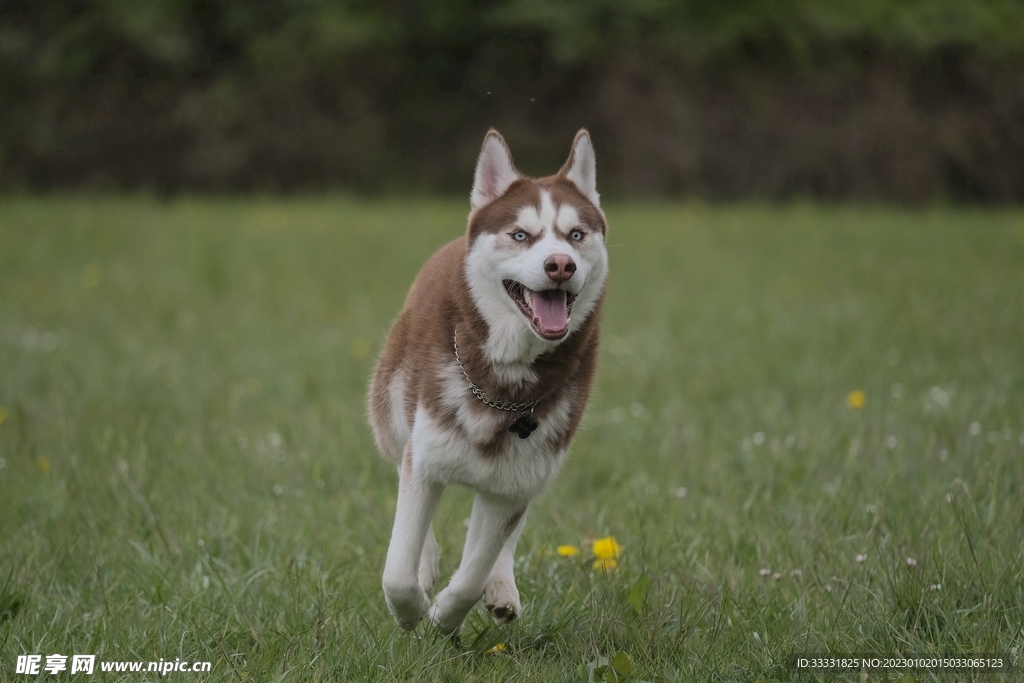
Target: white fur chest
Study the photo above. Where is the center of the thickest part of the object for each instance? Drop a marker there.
(447, 455)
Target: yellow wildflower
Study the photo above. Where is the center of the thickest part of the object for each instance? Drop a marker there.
(567, 550)
(44, 464)
(606, 553)
(3, 415)
(606, 548)
(497, 649)
(856, 399)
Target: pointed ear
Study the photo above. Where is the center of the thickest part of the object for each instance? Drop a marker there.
(494, 171)
(581, 167)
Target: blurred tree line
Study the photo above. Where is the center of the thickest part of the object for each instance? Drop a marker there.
(907, 100)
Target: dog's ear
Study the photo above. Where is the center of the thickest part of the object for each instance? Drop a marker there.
(494, 171)
(581, 167)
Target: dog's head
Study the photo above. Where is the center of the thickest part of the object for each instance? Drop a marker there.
(537, 261)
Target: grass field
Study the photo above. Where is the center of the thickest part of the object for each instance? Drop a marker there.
(187, 471)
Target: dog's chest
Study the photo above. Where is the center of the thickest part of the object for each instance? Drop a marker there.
(467, 442)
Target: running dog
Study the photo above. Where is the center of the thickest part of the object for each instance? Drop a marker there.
(484, 376)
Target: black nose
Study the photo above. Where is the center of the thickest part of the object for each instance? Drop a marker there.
(560, 267)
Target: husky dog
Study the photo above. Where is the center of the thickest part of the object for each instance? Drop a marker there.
(485, 374)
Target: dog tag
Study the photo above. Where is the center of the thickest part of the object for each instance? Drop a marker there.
(524, 425)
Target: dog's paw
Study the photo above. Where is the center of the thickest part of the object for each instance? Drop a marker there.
(502, 600)
(449, 611)
(504, 614)
(407, 604)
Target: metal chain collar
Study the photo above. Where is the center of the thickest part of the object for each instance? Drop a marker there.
(479, 393)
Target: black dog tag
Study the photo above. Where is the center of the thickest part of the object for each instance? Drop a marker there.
(524, 425)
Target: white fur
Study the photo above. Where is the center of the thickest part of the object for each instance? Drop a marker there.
(417, 501)
(519, 475)
(501, 595)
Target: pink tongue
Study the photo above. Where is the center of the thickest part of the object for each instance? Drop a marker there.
(551, 314)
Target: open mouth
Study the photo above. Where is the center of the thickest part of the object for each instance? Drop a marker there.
(548, 311)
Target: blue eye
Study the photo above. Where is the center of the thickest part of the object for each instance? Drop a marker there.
(519, 236)
(576, 235)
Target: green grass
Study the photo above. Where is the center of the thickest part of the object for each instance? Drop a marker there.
(187, 469)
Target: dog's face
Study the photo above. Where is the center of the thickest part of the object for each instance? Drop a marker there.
(537, 260)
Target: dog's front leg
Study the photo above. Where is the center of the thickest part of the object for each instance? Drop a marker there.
(417, 500)
(491, 524)
(501, 596)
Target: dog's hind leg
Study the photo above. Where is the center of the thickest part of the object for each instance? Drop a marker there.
(500, 594)
(429, 561)
(491, 524)
(417, 501)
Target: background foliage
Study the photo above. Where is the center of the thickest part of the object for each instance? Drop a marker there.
(911, 101)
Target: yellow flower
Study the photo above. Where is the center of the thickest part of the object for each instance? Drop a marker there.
(44, 464)
(568, 550)
(607, 548)
(3, 415)
(497, 649)
(856, 399)
(606, 553)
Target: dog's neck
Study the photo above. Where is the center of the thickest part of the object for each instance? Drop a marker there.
(518, 406)
(511, 351)
(501, 358)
